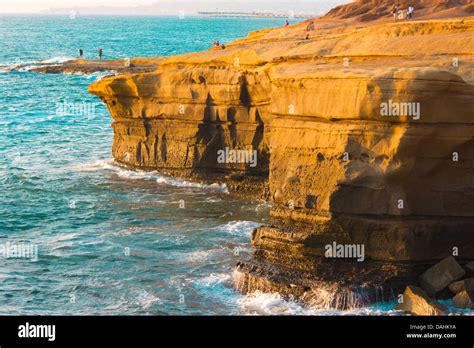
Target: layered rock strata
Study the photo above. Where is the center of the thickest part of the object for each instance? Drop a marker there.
(363, 134)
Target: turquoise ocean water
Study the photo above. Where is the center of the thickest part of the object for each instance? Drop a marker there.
(110, 240)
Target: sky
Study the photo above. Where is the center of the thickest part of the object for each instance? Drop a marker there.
(163, 6)
(30, 6)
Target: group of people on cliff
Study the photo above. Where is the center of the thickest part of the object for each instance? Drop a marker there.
(217, 44)
(401, 14)
(81, 53)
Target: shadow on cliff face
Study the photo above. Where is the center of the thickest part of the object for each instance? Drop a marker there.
(388, 183)
(222, 131)
(409, 201)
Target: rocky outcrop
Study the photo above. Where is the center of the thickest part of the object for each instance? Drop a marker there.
(434, 280)
(416, 301)
(369, 10)
(461, 285)
(441, 275)
(465, 299)
(81, 66)
(363, 137)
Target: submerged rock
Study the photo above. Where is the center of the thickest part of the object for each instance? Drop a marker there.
(441, 275)
(416, 301)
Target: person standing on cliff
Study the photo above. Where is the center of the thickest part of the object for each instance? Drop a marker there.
(287, 23)
(100, 53)
(410, 11)
(395, 11)
(81, 52)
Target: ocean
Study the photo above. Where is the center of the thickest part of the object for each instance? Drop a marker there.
(99, 239)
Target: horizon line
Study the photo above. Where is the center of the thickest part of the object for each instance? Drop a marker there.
(167, 14)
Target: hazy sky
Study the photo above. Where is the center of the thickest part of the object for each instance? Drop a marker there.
(35, 6)
(39, 5)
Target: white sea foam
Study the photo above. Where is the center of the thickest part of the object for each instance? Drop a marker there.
(167, 180)
(56, 60)
(260, 303)
(199, 255)
(215, 278)
(111, 166)
(98, 75)
(94, 166)
(25, 66)
(145, 299)
(101, 74)
(238, 228)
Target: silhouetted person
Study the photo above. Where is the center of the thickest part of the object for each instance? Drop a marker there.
(395, 11)
(81, 53)
(310, 26)
(287, 23)
(100, 53)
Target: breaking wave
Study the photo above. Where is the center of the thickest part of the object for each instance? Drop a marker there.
(24, 66)
(110, 165)
(261, 303)
(238, 228)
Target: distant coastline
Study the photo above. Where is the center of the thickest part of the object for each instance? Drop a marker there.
(219, 14)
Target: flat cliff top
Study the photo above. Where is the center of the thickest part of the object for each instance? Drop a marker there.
(373, 44)
(437, 42)
(122, 66)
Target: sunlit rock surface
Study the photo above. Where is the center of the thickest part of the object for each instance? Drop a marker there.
(364, 134)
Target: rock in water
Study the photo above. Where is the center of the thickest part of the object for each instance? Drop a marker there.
(441, 275)
(417, 302)
(465, 299)
(461, 285)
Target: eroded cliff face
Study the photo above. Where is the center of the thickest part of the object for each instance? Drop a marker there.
(334, 155)
(178, 118)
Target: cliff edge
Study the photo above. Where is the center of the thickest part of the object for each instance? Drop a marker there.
(363, 131)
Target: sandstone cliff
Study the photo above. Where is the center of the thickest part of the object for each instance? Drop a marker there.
(364, 132)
